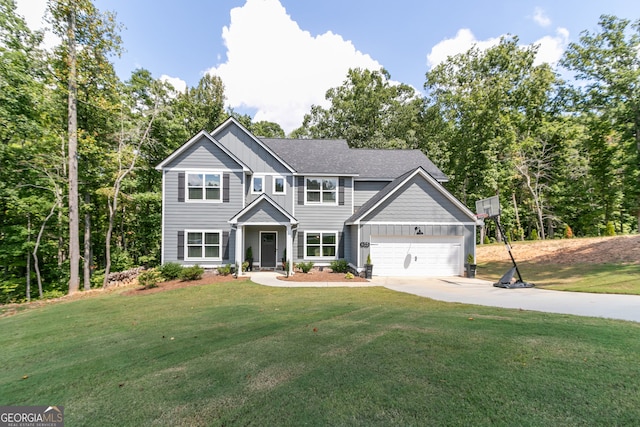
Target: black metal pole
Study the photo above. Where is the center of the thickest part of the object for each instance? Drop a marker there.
(506, 242)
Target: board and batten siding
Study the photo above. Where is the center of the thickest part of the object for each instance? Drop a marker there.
(203, 155)
(467, 231)
(263, 213)
(417, 201)
(178, 216)
(285, 201)
(254, 155)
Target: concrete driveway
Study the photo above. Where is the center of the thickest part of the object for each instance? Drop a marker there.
(480, 292)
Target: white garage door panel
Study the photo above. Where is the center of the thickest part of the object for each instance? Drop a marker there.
(416, 256)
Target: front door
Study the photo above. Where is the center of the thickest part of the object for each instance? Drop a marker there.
(268, 250)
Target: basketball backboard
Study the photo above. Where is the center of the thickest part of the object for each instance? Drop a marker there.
(489, 206)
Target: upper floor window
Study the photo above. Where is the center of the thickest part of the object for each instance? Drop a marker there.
(279, 185)
(257, 185)
(204, 186)
(321, 191)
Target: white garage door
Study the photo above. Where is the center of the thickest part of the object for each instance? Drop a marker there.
(416, 256)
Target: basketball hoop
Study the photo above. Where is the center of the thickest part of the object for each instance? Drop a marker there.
(482, 215)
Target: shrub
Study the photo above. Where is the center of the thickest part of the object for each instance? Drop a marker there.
(369, 258)
(486, 240)
(568, 232)
(191, 273)
(305, 266)
(533, 235)
(349, 276)
(224, 270)
(53, 293)
(170, 270)
(340, 266)
(121, 260)
(611, 230)
(149, 278)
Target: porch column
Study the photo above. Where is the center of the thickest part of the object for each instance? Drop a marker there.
(290, 249)
(239, 240)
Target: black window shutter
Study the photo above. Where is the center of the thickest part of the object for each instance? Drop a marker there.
(225, 245)
(300, 245)
(301, 190)
(225, 188)
(340, 245)
(181, 244)
(181, 186)
(341, 191)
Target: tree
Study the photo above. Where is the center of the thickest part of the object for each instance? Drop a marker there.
(607, 63)
(81, 24)
(368, 110)
(202, 107)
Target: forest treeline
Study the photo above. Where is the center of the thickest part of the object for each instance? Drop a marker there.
(79, 193)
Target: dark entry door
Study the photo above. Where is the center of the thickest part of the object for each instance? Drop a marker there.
(268, 250)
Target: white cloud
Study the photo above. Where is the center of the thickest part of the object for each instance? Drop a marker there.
(277, 68)
(551, 48)
(33, 13)
(462, 42)
(178, 84)
(541, 18)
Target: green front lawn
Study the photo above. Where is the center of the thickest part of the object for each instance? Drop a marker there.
(597, 278)
(243, 354)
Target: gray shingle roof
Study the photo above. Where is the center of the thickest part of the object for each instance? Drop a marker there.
(334, 156)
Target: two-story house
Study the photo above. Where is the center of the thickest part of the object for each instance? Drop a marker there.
(310, 200)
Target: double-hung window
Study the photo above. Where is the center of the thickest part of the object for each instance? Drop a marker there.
(279, 185)
(203, 245)
(321, 244)
(321, 191)
(257, 185)
(204, 186)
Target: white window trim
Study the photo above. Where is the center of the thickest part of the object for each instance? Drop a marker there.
(284, 185)
(321, 232)
(203, 200)
(321, 202)
(186, 245)
(253, 178)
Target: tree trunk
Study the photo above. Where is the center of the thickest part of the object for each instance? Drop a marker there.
(107, 266)
(515, 208)
(28, 290)
(86, 265)
(74, 216)
(57, 203)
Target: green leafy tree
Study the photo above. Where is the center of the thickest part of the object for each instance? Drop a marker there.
(607, 65)
(368, 110)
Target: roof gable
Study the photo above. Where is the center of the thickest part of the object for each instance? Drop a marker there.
(184, 148)
(396, 185)
(263, 210)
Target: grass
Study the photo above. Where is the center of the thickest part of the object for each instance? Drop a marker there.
(243, 354)
(596, 278)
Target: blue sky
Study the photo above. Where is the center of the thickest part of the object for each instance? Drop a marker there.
(278, 57)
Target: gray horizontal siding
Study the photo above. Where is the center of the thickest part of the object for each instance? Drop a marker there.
(364, 190)
(256, 157)
(179, 216)
(417, 200)
(204, 154)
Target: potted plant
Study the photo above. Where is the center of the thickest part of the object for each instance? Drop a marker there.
(471, 266)
(368, 268)
(284, 259)
(249, 258)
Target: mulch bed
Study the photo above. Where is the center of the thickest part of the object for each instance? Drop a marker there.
(320, 276)
(208, 278)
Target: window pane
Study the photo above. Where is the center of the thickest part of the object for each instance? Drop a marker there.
(211, 238)
(195, 180)
(213, 193)
(328, 251)
(279, 185)
(195, 252)
(212, 180)
(195, 193)
(257, 185)
(212, 251)
(328, 196)
(329, 184)
(313, 239)
(194, 238)
(313, 251)
(313, 184)
(313, 196)
(329, 239)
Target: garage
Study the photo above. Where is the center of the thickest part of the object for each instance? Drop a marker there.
(417, 255)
